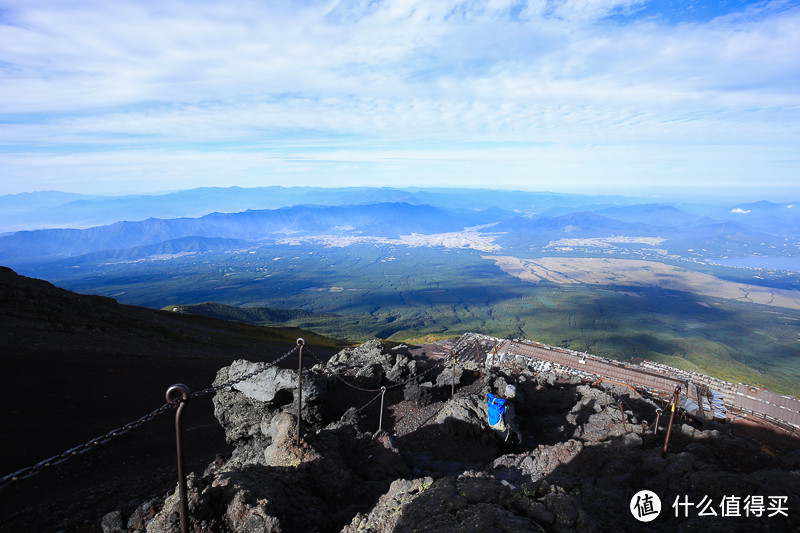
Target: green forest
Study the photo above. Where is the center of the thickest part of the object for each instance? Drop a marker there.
(406, 294)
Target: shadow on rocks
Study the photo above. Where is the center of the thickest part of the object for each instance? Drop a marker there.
(589, 486)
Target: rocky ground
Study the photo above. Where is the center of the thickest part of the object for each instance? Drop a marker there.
(77, 366)
(434, 465)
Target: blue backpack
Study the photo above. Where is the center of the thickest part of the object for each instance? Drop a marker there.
(497, 408)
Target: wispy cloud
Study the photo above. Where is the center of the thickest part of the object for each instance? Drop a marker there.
(98, 82)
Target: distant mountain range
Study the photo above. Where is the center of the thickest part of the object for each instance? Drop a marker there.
(682, 230)
(53, 209)
(655, 215)
(235, 230)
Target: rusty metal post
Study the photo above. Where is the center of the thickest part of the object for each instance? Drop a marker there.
(481, 359)
(658, 418)
(622, 414)
(453, 384)
(671, 418)
(300, 343)
(183, 391)
(380, 420)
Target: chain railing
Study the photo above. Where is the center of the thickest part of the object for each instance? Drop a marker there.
(178, 395)
(369, 402)
(32, 470)
(29, 471)
(216, 388)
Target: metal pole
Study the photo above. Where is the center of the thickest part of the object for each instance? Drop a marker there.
(380, 420)
(453, 385)
(658, 418)
(481, 358)
(671, 418)
(622, 413)
(183, 391)
(300, 343)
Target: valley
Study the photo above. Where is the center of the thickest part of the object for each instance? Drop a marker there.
(617, 308)
(605, 275)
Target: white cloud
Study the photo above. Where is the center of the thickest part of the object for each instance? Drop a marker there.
(154, 76)
(739, 210)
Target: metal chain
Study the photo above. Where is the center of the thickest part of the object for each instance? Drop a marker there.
(29, 471)
(231, 383)
(369, 402)
(83, 448)
(626, 404)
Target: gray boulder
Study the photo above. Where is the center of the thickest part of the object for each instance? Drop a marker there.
(535, 465)
(451, 504)
(372, 364)
(113, 522)
(317, 486)
(445, 377)
(366, 354)
(421, 394)
(464, 416)
(247, 406)
(370, 376)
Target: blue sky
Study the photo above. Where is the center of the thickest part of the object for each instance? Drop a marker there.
(617, 96)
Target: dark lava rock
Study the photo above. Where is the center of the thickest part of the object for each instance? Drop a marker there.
(582, 460)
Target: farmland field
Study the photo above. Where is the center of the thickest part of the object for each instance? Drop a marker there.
(635, 272)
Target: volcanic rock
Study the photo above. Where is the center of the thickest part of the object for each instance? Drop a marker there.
(246, 407)
(450, 505)
(582, 459)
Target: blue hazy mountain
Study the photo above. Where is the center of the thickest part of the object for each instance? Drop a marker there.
(579, 224)
(51, 209)
(656, 215)
(34, 210)
(41, 199)
(680, 234)
(522, 233)
(780, 219)
(522, 222)
(388, 220)
(167, 249)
